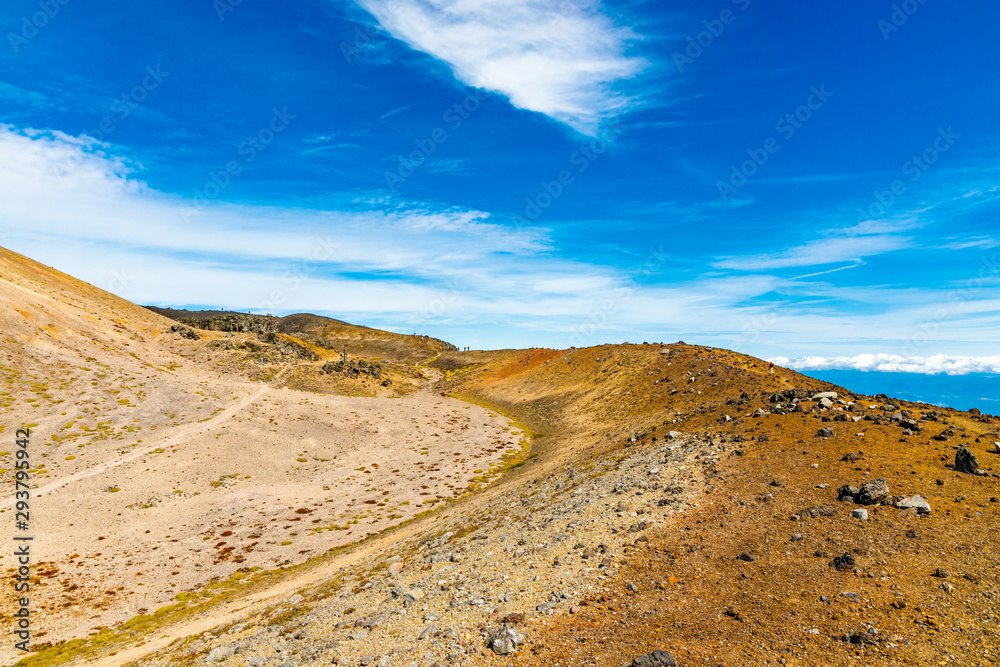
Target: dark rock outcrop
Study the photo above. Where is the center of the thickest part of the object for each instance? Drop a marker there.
(657, 658)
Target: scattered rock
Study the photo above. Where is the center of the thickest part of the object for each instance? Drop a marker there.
(874, 492)
(847, 493)
(915, 501)
(732, 613)
(655, 659)
(820, 510)
(505, 641)
(965, 461)
(860, 513)
(862, 637)
(746, 557)
(184, 332)
(825, 432)
(843, 563)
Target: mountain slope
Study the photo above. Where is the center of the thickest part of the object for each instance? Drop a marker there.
(675, 497)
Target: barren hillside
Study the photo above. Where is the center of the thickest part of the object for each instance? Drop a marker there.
(675, 498)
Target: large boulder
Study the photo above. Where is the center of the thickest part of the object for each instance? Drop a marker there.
(873, 492)
(965, 461)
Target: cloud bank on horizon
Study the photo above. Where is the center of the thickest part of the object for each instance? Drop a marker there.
(892, 363)
(242, 162)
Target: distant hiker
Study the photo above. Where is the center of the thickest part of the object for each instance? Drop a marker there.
(770, 367)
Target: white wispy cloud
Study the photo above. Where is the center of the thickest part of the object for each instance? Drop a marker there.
(818, 252)
(892, 363)
(559, 59)
(73, 203)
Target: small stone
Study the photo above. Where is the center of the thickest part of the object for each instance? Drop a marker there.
(911, 533)
(843, 563)
(797, 537)
(632, 587)
(874, 492)
(941, 573)
(915, 502)
(825, 432)
(860, 513)
(746, 557)
(295, 599)
(505, 641)
(395, 567)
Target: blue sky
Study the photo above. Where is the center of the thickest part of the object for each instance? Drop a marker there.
(790, 180)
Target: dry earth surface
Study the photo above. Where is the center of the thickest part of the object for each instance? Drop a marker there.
(160, 467)
(676, 498)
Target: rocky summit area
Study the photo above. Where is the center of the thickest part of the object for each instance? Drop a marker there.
(302, 492)
(681, 506)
